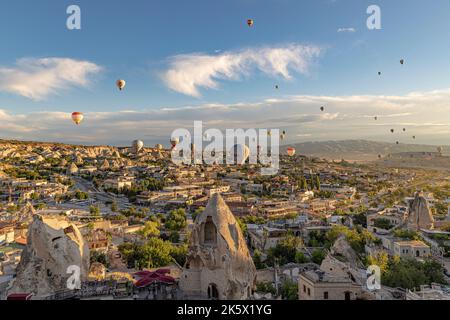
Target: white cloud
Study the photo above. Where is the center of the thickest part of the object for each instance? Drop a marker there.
(38, 78)
(424, 114)
(187, 73)
(346, 30)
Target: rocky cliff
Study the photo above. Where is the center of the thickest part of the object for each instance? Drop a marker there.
(53, 245)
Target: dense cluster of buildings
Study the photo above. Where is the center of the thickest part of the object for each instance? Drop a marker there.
(236, 220)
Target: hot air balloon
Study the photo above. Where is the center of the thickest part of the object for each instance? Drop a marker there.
(379, 156)
(392, 130)
(137, 146)
(277, 87)
(121, 84)
(376, 118)
(174, 142)
(397, 142)
(250, 22)
(402, 61)
(77, 117)
(241, 153)
(414, 137)
(404, 129)
(291, 152)
(379, 73)
(322, 108)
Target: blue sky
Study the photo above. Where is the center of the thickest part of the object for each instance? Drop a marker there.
(142, 41)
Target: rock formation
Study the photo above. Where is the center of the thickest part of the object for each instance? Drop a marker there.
(53, 245)
(219, 265)
(73, 169)
(420, 216)
(342, 261)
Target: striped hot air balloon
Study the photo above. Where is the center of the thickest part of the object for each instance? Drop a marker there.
(77, 117)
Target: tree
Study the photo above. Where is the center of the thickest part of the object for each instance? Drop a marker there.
(381, 259)
(300, 257)
(176, 220)
(114, 206)
(382, 223)
(410, 273)
(174, 237)
(317, 182)
(317, 256)
(289, 290)
(265, 287)
(257, 259)
(150, 229)
(96, 256)
(95, 211)
(285, 250)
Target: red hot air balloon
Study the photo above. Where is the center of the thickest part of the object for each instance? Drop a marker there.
(77, 117)
(291, 152)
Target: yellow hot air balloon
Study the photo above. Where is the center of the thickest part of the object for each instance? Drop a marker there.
(121, 84)
(77, 117)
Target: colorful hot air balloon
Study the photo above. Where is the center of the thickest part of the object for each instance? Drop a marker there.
(291, 152)
(77, 117)
(121, 84)
(250, 22)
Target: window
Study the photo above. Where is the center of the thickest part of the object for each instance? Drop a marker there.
(213, 293)
(347, 295)
(309, 291)
(210, 232)
(325, 295)
(304, 288)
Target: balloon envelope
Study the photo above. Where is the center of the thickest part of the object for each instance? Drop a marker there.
(250, 22)
(77, 117)
(121, 84)
(291, 152)
(137, 146)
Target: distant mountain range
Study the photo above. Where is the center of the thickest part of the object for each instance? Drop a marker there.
(358, 150)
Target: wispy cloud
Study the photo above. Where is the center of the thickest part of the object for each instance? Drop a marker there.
(424, 114)
(346, 30)
(187, 73)
(38, 78)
